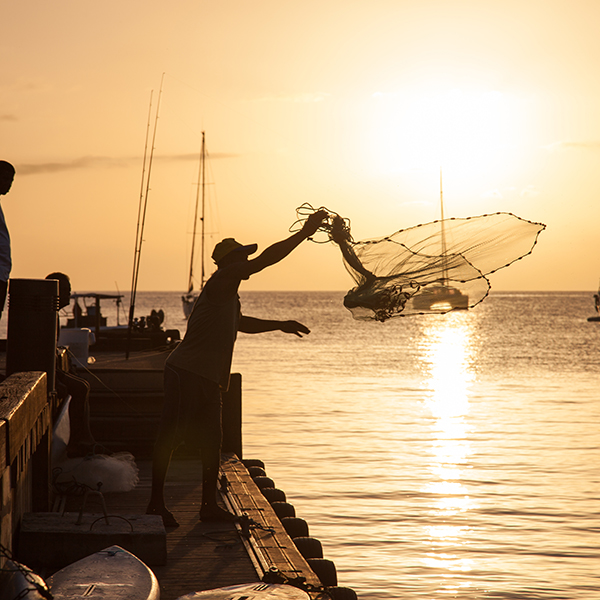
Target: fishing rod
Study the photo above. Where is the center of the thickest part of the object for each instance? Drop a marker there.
(143, 204)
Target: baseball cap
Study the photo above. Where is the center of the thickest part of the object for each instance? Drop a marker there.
(224, 247)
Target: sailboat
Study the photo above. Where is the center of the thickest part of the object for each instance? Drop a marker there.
(596, 317)
(441, 296)
(190, 297)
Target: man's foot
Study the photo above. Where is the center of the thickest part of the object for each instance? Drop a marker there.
(216, 513)
(167, 516)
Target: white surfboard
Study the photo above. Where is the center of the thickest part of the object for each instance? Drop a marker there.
(111, 573)
(250, 591)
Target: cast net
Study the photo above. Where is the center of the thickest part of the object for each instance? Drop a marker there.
(432, 268)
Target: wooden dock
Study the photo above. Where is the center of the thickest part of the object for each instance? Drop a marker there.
(125, 402)
(203, 556)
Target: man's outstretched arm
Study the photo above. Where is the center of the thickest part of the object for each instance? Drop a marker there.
(279, 250)
(254, 325)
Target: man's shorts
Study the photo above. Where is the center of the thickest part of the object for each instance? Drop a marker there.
(192, 410)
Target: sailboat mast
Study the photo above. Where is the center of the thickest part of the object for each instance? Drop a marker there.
(202, 270)
(198, 194)
(443, 232)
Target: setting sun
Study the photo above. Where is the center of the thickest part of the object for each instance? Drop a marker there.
(360, 120)
(466, 131)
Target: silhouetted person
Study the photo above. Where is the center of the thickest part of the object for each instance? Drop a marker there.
(198, 369)
(7, 175)
(81, 440)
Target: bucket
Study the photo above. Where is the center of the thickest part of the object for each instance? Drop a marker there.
(78, 342)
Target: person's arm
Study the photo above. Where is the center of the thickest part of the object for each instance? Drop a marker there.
(279, 250)
(254, 325)
(340, 234)
(227, 279)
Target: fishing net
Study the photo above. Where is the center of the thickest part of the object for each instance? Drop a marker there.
(432, 268)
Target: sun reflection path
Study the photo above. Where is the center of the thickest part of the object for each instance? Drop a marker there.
(448, 358)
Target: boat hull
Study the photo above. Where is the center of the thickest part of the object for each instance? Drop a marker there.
(440, 298)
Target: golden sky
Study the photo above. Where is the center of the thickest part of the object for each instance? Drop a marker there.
(352, 105)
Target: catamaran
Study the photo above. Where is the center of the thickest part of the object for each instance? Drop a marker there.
(441, 296)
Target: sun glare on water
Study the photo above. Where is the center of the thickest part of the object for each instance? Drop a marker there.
(447, 359)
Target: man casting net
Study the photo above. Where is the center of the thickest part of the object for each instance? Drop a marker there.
(432, 268)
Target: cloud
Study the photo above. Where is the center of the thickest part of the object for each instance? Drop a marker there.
(85, 162)
(562, 146)
(94, 162)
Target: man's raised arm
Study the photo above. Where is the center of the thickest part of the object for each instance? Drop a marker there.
(279, 250)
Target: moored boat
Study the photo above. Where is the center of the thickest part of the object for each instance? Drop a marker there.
(596, 317)
(442, 297)
(145, 332)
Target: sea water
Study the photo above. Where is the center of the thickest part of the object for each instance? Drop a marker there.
(445, 456)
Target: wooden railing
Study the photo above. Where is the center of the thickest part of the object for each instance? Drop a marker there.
(25, 438)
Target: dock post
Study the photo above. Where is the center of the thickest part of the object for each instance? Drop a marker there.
(32, 327)
(232, 417)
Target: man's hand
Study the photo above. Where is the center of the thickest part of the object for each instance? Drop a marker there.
(314, 222)
(294, 327)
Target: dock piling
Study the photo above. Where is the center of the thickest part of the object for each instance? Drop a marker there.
(32, 327)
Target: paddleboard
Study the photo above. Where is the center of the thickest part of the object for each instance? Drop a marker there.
(19, 581)
(251, 591)
(111, 573)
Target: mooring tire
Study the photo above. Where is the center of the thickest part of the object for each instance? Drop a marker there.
(342, 593)
(253, 462)
(257, 472)
(283, 509)
(295, 527)
(309, 547)
(325, 570)
(263, 482)
(274, 495)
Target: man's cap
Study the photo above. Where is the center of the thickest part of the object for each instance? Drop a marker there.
(224, 247)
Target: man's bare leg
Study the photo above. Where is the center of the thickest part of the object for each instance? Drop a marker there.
(161, 459)
(210, 510)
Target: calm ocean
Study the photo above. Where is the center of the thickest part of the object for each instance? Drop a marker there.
(451, 456)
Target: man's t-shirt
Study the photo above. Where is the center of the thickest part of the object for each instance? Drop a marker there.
(207, 347)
